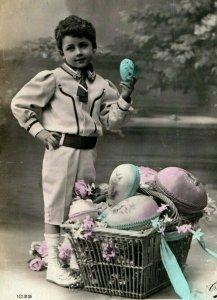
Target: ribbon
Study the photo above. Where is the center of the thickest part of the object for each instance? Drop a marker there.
(175, 273)
(203, 245)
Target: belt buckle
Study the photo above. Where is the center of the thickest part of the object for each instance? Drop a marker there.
(62, 139)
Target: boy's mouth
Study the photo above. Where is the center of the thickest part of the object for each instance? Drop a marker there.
(80, 60)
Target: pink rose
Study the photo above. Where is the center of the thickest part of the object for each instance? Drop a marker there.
(184, 228)
(162, 208)
(109, 250)
(43, 249)
(65, 252)
(36, 264)
(82, 189)
(89, 223)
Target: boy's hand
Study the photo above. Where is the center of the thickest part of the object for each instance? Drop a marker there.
(50, 139)
(127, 88)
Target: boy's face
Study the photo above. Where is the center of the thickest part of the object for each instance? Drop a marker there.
(78, 52)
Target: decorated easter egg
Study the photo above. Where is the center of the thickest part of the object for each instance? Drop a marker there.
(127, 69)
(80, 209)
(133, 213)
(147, 176)
(124, 182)
(183, 188)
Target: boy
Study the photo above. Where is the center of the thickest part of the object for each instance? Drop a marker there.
(76, 103)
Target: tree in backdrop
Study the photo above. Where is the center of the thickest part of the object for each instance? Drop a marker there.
(177, 43)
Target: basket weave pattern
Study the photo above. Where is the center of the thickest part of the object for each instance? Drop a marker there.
(135, 271)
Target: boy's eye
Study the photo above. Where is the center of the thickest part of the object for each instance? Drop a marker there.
(83, 45)
(70, 48)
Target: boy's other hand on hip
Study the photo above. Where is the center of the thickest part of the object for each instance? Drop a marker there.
(50, 139)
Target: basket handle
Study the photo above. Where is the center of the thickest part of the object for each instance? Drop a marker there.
(175, 214)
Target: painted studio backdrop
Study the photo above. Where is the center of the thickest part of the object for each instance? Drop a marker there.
(175, 106)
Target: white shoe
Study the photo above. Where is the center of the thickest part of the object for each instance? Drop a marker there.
(73, 263)
(62, 277)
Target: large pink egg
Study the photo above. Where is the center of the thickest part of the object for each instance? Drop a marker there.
(133, 213)
(147, 175)
(183, 188)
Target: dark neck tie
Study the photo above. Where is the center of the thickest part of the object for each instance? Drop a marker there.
(82, 91)
(81, 76)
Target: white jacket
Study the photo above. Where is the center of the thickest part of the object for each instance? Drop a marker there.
(54, 92)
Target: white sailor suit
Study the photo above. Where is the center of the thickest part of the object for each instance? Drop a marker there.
(55, 93)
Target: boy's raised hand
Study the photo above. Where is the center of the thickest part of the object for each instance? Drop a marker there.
(128, 70)
(127, 88)
(50, 139)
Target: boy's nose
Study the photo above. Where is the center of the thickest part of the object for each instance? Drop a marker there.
(78, 51)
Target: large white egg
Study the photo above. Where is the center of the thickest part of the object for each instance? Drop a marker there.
(80, 209)
(124, 182)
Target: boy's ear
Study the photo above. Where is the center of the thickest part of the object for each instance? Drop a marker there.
(61, 52)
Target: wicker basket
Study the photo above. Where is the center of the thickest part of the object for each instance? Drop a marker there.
(135, 271)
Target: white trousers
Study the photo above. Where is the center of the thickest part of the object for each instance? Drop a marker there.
(61, 169)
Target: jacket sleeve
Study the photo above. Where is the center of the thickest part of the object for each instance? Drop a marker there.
(35, 94)
(114, 111)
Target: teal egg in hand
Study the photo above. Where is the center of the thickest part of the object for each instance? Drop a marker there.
(127, 69)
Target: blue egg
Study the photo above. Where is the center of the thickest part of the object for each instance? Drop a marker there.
(127, 69)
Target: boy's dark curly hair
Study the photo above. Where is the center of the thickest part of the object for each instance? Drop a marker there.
(76, 27)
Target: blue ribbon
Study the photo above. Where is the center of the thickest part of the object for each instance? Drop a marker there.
(203, 245)
(175, 273)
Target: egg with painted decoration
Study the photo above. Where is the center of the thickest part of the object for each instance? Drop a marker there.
(147, 176)
(124, 182)
(183, 188)
(127, 69)
(133, 213)
(80, 209)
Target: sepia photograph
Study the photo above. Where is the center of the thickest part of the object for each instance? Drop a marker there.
(108, 149)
